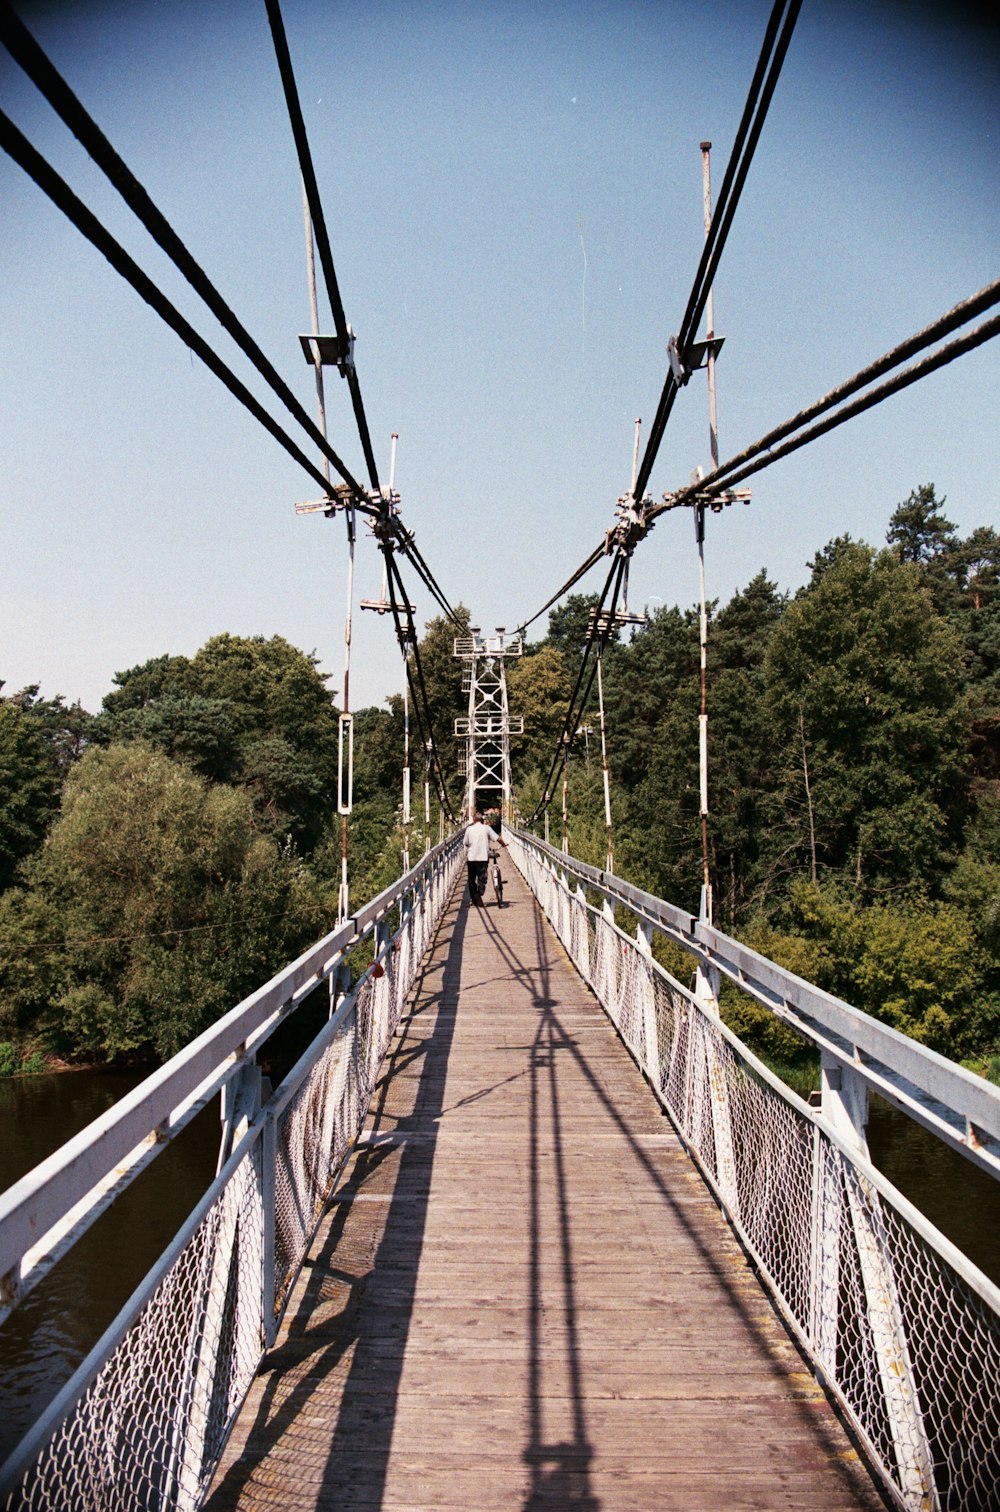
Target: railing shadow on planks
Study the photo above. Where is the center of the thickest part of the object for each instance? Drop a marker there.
(144, 1420)
(902, 1329)
(900, 1326)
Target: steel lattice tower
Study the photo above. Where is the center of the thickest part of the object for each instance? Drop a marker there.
(488, 726)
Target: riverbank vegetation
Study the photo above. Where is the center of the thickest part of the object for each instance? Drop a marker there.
(854, 765)
(164, 856)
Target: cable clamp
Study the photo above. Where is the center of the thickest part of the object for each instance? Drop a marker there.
(385, 523)
(633, 524)
(678, 367)
(705, 499)
(341, 496)
(330, 351)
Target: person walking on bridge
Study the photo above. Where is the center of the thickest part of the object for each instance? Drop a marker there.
(477, 848)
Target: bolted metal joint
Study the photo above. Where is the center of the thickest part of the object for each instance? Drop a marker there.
(633, 524)
(330, 351)
(703, 499)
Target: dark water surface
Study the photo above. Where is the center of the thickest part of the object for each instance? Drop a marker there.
(958, 1198)
(44, 1339)
(51, 1332)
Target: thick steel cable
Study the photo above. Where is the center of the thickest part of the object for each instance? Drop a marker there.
(595, 557)
(408, 546)
(760, 455)
(402, 636)
(578, 704)
(403, 639)
(420, 696)
(38, 66)
(614, 577)
(45, 176)
(765, 78)
(308, 172)
(748, 136)
(726, 474)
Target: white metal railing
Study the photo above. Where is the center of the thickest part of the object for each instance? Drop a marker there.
(142, 1423)
(900, 1325)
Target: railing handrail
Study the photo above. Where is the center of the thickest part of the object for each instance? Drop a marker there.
(888, 1310)
(113, 1149)
(954, 1103)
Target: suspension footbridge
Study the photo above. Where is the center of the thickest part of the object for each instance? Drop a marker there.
(527, 1225)
(529, 1222)
(522, 1294)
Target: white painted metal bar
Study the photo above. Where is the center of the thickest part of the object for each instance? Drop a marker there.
(49, 1208)
(896, 1319)
(955, 1104)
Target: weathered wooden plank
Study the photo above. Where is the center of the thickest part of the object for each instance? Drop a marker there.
(523, 1295)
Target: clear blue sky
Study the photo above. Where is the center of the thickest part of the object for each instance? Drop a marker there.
(513, 193)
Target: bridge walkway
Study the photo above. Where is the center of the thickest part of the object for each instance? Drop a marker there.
(524, 1296)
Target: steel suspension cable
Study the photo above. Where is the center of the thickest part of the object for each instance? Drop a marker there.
(735, 469)
(762, 453)
(38, 66)
(408, 638)
(772, 55)
(45, 176)
(311, 188)
(408, 546)
(614, 579)
(774, 47)
(308, 173)
(769, 65)
(592, 560)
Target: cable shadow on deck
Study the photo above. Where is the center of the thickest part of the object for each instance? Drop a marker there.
(336, 1366)
(560, 1470)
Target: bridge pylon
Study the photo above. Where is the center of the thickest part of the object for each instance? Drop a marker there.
(488, 726)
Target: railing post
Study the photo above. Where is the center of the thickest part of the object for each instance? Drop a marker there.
(240, 1104)
(608, 973)
(339, 982)
(845, 1103)
(706, 993)
(582, 957)
(268, 1199)
(647, 993)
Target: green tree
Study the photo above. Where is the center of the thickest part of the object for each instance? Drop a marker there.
(918, 531)
(864, 681)
(912, 962)
(65, 727)
(538, 689)
(154, 906)
(741, 749)
(29, 787)
(569, 627)
(242, 710)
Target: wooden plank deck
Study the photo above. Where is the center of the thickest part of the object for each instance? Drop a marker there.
(524, 1296)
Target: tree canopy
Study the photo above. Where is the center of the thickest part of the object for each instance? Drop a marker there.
(159, 859)
(243, 710)
(153, 907)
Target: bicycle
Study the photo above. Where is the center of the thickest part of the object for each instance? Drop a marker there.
(496, 876)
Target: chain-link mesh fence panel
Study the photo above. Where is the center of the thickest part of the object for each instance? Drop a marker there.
(905, 1342)
(147, 1431)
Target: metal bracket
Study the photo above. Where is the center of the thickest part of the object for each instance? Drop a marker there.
(693, 357)
(716, 502)
(341, 496)
(633, 524)
(330, 351)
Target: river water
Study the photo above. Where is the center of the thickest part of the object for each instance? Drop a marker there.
(50, 1333)
(44, 1339)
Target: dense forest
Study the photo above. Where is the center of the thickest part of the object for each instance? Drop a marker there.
(162, 857)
